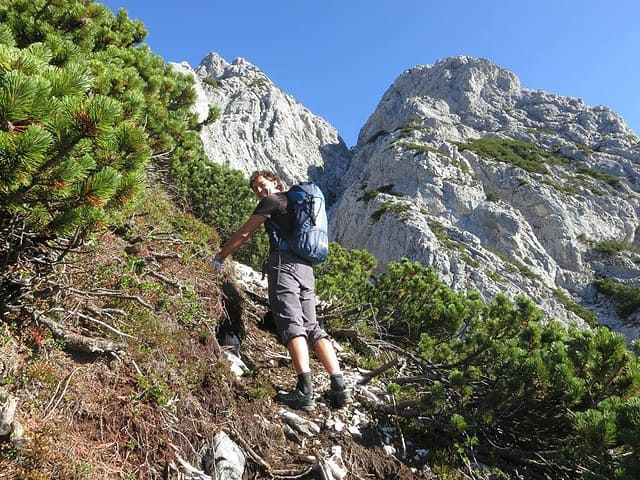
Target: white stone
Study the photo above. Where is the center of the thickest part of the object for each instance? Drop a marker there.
(237, 366)
(230, 459)
(389, 449)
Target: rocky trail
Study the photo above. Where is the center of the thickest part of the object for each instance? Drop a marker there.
(327, 443)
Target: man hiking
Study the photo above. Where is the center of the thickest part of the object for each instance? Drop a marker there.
(291, 285)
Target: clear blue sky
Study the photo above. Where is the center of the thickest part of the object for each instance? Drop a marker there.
(337, 57)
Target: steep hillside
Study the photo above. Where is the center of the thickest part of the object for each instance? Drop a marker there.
(133, 359)
(124, 355)
(115, 369)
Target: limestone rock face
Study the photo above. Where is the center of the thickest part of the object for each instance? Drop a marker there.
(261, 127)
(413, 186)
(414, 190)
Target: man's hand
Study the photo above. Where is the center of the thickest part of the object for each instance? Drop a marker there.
(217, 263)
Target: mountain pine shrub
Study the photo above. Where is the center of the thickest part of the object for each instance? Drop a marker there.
(69, 155)
(410, 301)
(627, 297)
(85, 111)
(345, 278)
(499, 383)
(76, 96)
(221, 197)
(611, 247)
(525, 155)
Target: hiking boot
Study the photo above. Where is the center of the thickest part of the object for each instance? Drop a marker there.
(296, 399)
(338, 396)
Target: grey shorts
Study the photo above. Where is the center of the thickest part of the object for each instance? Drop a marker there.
(292, 298)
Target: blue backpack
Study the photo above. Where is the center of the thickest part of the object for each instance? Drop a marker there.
(308, 239)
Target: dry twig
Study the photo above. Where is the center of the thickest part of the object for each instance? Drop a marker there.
(87, 317)
(254, 456)
(368, 376)
(75, 341)
(101, 292)
(49, 408)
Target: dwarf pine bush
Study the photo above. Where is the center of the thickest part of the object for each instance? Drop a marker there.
(500, 383)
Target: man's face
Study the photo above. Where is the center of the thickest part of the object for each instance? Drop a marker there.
(263, 187)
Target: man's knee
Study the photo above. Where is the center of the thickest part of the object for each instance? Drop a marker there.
(317, 338)
(292, 333)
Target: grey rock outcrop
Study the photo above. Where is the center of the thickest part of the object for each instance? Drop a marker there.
(414, 190)
(262, 127)
(414, 186)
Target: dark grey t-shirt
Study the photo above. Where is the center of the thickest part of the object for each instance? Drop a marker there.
(277, 209)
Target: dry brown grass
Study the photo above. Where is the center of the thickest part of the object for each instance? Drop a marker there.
(127, 414)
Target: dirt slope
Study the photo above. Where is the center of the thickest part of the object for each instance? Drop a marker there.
(147, 403)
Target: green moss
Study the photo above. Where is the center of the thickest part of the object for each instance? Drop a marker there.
(526, 271)
(461, 165)
(600, 176)
(442, 234)
(213, 115)
(258, 82)
(212, 82)
(493, 196)
(564, 188)
(493, 275)
(584, 148)
(371, 194)
(590, 318)
(611, 247)
(469, 261)
(408, 129)
(155, 389)
(584, 238)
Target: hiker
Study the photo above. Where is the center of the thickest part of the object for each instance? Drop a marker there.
(291, 295)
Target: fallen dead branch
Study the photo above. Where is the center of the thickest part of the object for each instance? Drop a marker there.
(251, 452)
(355, 338)
(74, 341)
(166, 255)
(95, 320)
(193, 472)
(174, 283)
(419, 379)
(368, 376)
(290, 475)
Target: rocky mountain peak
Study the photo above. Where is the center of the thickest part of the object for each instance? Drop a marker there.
(262, 127)
(477, 96)
(214, 66)
(461, 89)
(460, 81)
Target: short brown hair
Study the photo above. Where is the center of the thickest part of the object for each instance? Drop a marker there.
(269, 175)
